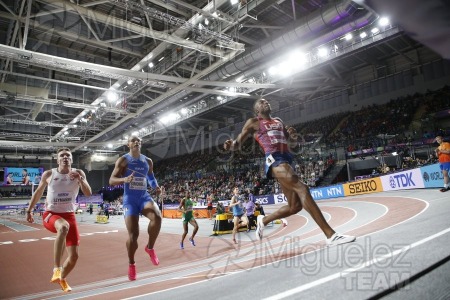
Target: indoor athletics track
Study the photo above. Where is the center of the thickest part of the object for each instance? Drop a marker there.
(402, 252)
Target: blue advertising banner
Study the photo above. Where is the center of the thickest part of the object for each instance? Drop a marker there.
(432, 176)
(334, 191)
(264, 199)
(22, 176)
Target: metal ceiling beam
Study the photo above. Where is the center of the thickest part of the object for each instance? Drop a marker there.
(262, 26)
(27, 25)
(171, 92)
(222, 93)
(14, 35)
(48, 31)
(62, 82)
(84, 68)
(55, 11)
(7, 8)
(180, 32)
(89, 27)
(170, 8)
(131, 37)
(62, 103)
(109, 20)
(205, 12)
(35, 123)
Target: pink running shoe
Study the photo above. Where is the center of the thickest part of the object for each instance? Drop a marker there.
(153, 256)
(132, 272)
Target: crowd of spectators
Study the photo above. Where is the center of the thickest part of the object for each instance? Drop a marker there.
(215, 172)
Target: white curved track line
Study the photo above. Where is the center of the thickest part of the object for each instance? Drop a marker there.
(355, 214)
(266, 252)
(419, 213)
(386, 210)
(355, 268)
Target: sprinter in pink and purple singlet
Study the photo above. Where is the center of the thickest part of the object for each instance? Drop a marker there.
(276, 140)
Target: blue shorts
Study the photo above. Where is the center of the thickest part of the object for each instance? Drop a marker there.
(274, 160)
(445, 166)
(134, 204)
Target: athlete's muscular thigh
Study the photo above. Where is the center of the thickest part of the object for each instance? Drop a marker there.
(285, 175)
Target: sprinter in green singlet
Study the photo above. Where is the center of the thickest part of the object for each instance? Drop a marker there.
(186, 207)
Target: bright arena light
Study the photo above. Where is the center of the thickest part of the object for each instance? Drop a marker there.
(322, 52)
(383, 21)
(111, 96)
(169, 118)
(363, 35)
(348, 36)
(286, 68)
(375, 30)
(273, 70)
(184, 111)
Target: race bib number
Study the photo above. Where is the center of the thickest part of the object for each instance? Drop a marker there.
(270, 160)
(276, 137)
(138, 183)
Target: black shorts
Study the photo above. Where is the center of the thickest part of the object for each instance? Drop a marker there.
(209, 208)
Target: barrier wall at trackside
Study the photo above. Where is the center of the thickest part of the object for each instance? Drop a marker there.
(424, 177)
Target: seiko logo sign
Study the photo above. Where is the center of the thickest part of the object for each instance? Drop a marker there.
(401, 180)
(363, 187)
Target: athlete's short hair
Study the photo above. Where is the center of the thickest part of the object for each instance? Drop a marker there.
(63, 149)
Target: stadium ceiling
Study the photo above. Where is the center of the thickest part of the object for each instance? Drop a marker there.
(84, 73)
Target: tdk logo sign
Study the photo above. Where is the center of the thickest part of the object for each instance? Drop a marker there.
(401, 180)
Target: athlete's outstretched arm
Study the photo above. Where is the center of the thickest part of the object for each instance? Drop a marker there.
(250, 127)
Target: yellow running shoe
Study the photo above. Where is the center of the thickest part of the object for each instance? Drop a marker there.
(65, 286)
(56, 275)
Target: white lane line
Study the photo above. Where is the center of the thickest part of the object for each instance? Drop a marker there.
(354, 269)
(17, 227)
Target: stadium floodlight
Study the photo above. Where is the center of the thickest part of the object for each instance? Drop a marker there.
(111, 96)
(348, 36)
(322, 52)
(384, 21)
(363, 35)
(375, 30)
(273, 70)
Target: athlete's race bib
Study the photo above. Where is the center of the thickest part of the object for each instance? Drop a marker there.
(138, 183)
(276, 137)
(270, 160)
(62, 198)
